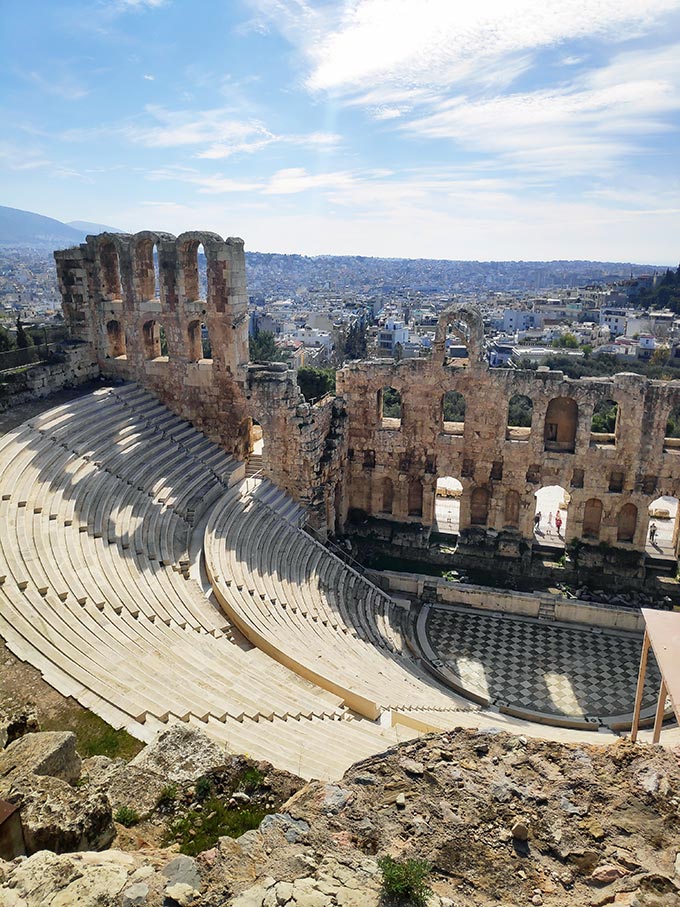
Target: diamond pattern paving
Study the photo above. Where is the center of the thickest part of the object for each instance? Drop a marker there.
(561, 670)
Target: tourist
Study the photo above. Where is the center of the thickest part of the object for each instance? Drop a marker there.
(652, 533)
(558, 522)
(537, 521)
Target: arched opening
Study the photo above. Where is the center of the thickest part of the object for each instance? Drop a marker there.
(626, 523)
(479, 506)
(671, 439)
(604, 423)
(256, 438)
(520, 414)
(592, 518)
(116, 339)
(148, 275)
(550, 517)
(511, 513)
(386, 495)
(453, 413)
(188, 260)
(662, 534)
(561, 422)
(155, 341)
(110, 271)
(447, 505)
(199, 346)
(415, 497)
(389, 407)
(202, 270)
(195, 347)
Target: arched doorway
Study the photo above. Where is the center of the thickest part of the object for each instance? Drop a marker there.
(550, 518)
(116, 339)
(662, 534)
(479, 506)
(447, 505)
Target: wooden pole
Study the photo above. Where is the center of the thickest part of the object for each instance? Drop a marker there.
(658, 720)
(640, 688)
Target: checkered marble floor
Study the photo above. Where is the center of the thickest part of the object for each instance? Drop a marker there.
(557, 669)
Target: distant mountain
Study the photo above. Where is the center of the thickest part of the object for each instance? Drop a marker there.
(24, 228)
(88, 227)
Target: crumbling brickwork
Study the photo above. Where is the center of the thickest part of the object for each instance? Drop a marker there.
(394, 463)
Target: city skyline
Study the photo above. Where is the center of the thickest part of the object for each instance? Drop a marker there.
(516, 130)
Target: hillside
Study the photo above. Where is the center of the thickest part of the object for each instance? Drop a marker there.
(25, 228)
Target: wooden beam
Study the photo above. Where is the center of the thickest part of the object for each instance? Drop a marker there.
(640, 688)
(658, 719)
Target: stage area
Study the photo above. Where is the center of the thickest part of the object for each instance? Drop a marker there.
(567, 671)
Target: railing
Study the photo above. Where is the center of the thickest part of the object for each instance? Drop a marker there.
(337, 550)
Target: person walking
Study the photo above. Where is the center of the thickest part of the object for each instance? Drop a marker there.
(537, 521)
(558, 522)
(652, 533)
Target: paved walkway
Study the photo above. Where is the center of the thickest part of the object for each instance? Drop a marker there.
(558, 669)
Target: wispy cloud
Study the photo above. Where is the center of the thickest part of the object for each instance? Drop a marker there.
(59, 85)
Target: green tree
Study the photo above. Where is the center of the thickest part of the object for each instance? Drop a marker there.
(356, 344)
(6, 342)
(391, 400)
(23, 339)
(263, 348)
(315, 382)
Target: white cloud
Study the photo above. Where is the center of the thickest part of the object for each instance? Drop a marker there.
(149, 77)
(416, 43)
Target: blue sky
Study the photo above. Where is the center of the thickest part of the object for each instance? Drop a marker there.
(499, 129)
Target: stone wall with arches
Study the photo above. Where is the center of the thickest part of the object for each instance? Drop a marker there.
(138, 302)
(611, 478)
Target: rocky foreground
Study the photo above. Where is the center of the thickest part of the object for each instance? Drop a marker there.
(501, 820)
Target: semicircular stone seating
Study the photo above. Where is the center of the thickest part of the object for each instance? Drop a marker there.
(99, 500)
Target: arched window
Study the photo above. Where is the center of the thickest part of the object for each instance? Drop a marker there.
(561, 422)
(479, 506)
(453, 413)
(110, 270)
(520, 414)
(603, 425)
(148, 277)
(202, 269)
(155, 341)
(627, 523)
(389, 407)
(672, 436)
(415, 497)
(116, 338)
(592, 518)
(511, 516)
(387, 495)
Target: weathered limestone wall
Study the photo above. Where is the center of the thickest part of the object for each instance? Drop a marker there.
(144, 321)
(78, 366)
(304, 445)
(526, 604)
(501, 469)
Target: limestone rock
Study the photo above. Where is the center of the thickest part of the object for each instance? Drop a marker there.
(135, 895)
(61, 818)
(412, 767)
(15, 721)
(182, 870)
(181, 753)
(520, 829)
(125, 784)
(606, 874)
(181, 894)
(45, 753)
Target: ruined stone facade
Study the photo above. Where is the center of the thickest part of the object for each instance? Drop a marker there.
(138, 302)
(342, 454)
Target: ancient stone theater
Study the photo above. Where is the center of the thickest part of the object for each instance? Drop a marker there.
(170, 551)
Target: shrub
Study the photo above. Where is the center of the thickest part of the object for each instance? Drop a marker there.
(126, 816)
(203, 788)
(167, 797)
(405, 882)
